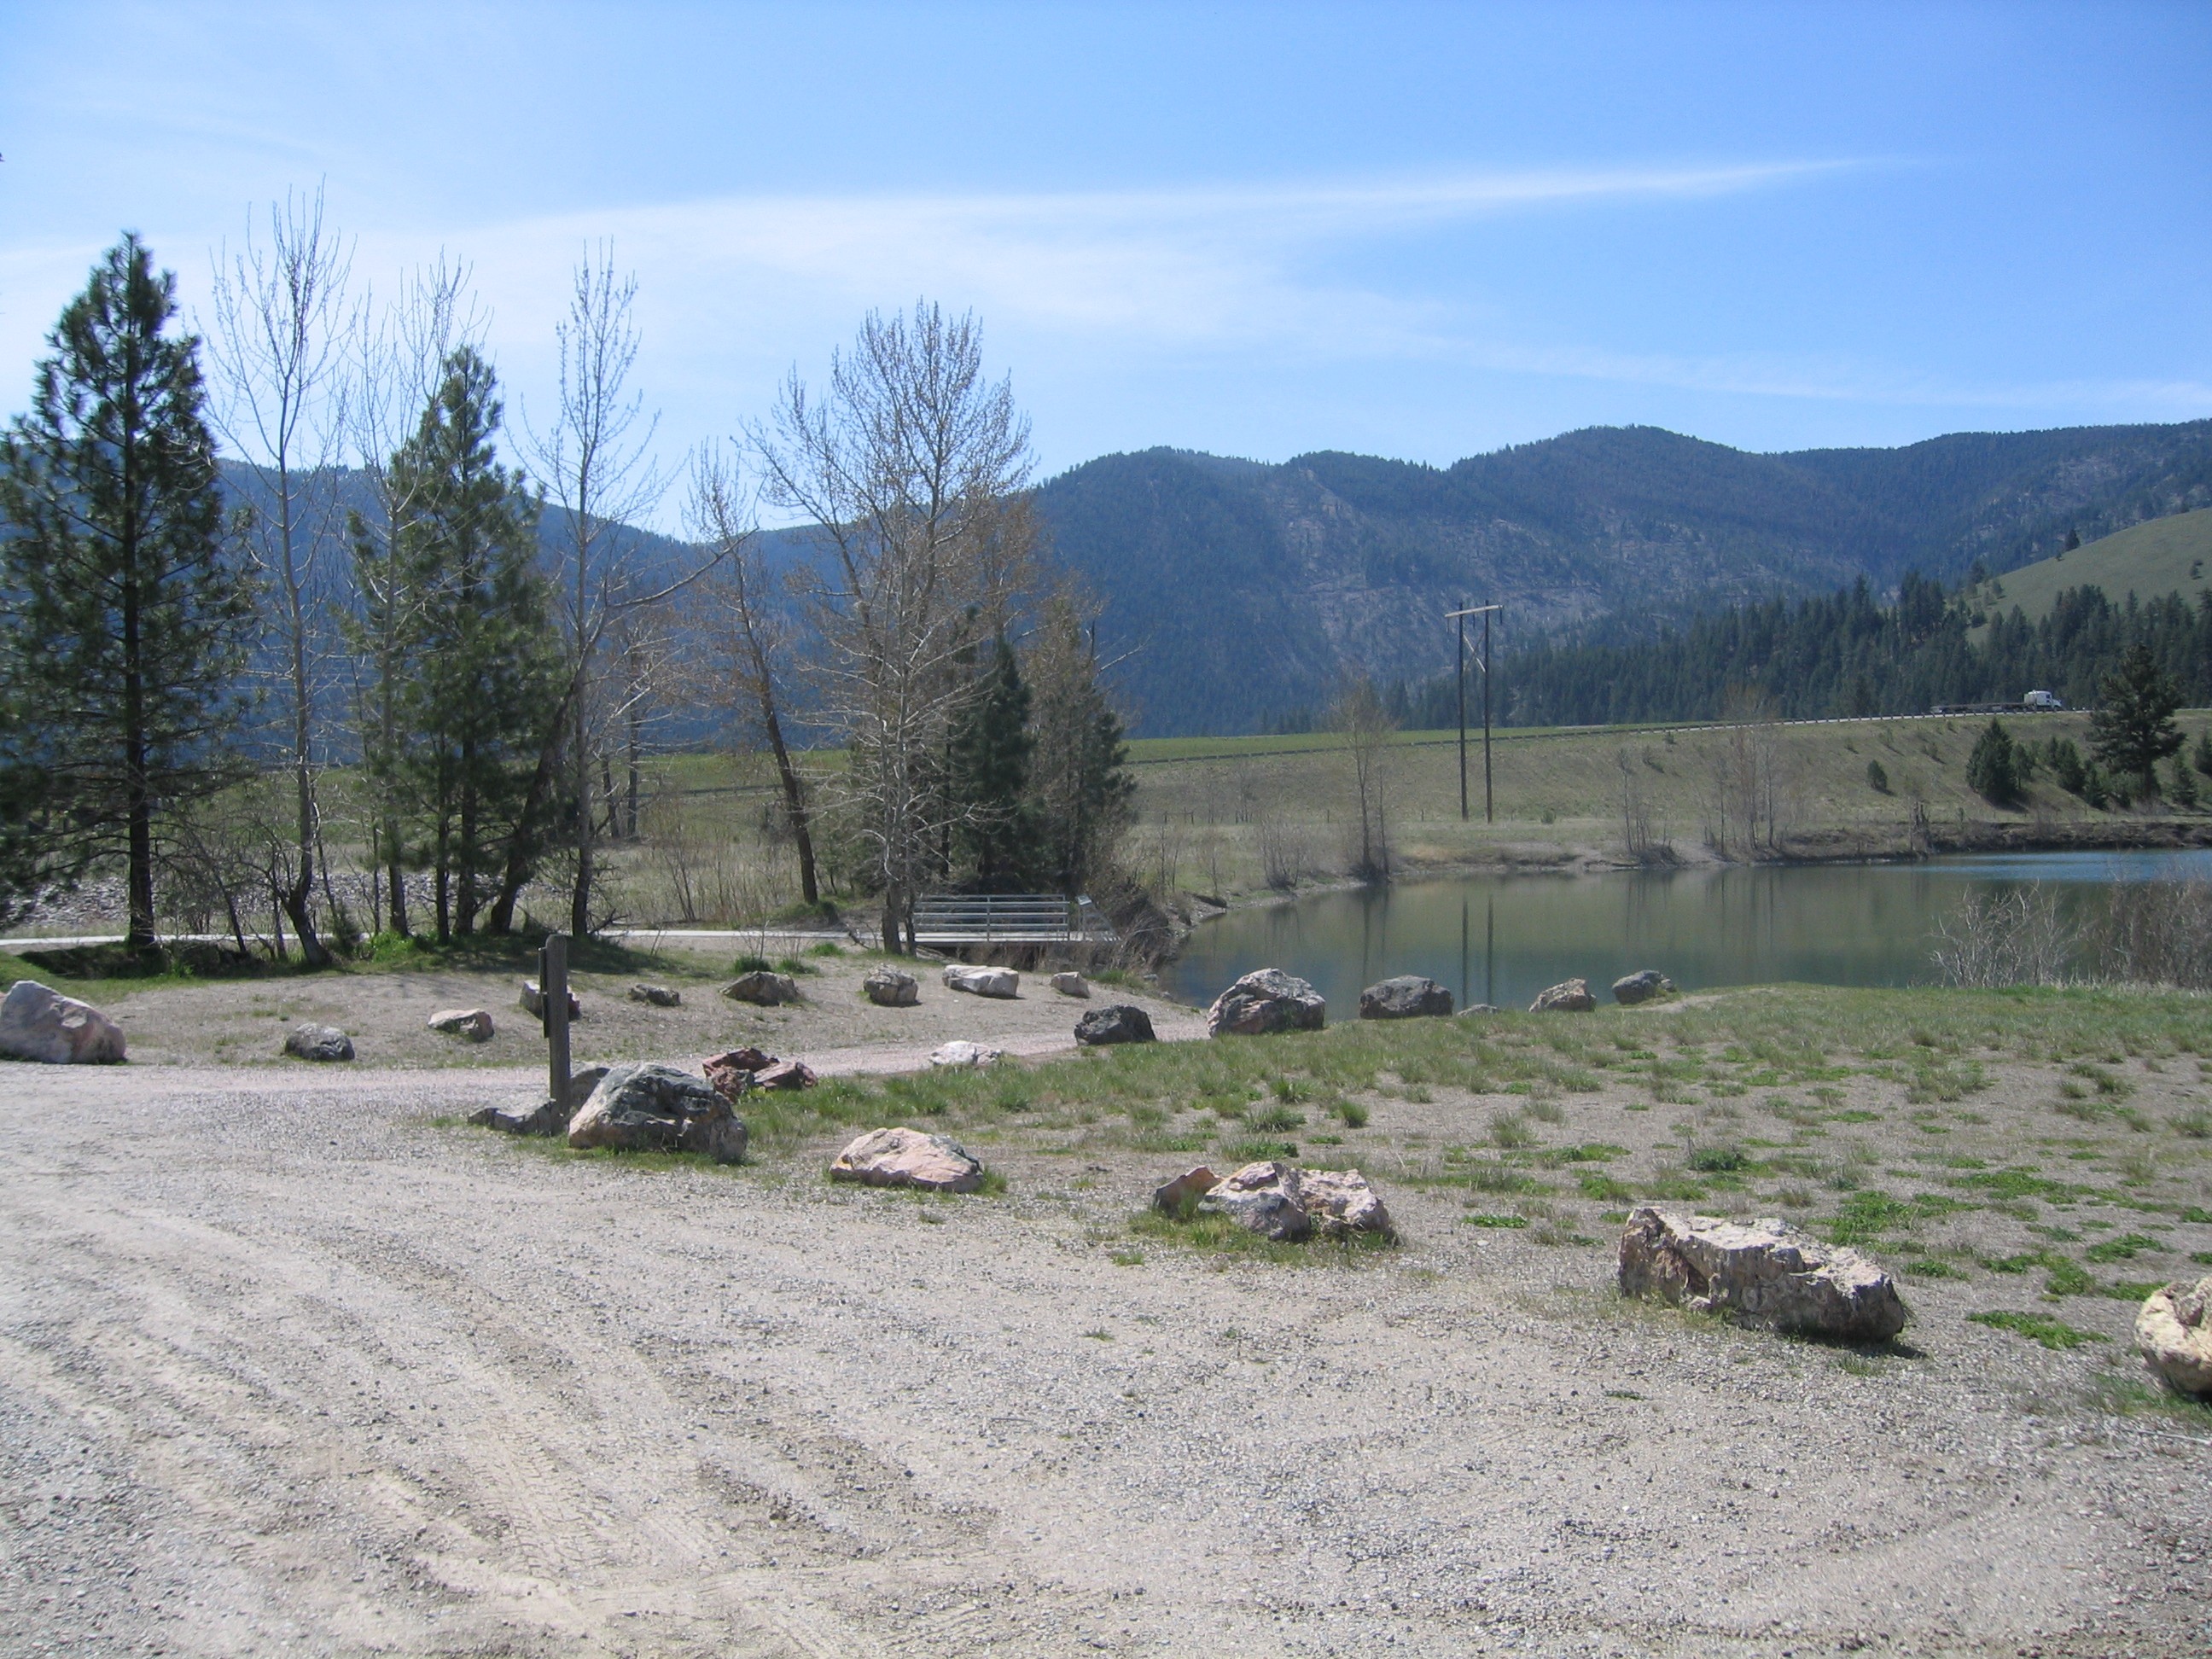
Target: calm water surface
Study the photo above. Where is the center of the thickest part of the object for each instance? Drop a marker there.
(1503, 938)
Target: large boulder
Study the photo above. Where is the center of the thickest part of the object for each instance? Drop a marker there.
(959, 1054)
(648, 1108)
(2173, 1334)
(39, 1023)
(1120, 1022)
(763, 987)
(1263, 1198)
(1570, 996)
(1406, 996)
(1760, 1272)
(1267, 999)
(891, 988)
(318, 1042)
(1640, 987)
(1340, 1203)
(1001, 982)
(469, 1025)
(533, 1002)
(908, 1158)
(658, 996)
(1070, 985)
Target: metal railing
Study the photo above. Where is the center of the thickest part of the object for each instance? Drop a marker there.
(959, 919)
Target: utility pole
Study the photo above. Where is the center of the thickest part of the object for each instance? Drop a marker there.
(1489, 815)
(1462, 722)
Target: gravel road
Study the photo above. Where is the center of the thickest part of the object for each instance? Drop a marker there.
(289, 1363)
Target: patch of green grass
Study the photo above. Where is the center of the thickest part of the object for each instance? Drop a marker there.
(1594, 1152)
(2054, 1334)
(1499, 1221)
(1722, 1158)
(1219, 1235)
(1241, 1153)
(1604, 1189)
(2126, 1248)
(1126, 1258)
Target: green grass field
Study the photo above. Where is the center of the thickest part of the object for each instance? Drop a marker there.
(2164, 555)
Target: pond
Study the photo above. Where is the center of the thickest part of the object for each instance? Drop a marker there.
(1503, 938)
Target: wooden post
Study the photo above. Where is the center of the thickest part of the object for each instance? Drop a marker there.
(553, 987)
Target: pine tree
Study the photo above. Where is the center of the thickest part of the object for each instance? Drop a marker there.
(1993, 769)
(989, 778)
(2133, 729)
(127, 616)
(1079, 780)
(478, 690)
(2201, 756)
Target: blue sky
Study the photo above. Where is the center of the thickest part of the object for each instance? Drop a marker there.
(1421, 231)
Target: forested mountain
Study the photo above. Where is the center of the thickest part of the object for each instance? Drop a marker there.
(1244, 589)
(1843, 653)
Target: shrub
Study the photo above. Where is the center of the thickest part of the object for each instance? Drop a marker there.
(2066, 766)
(1877, 779)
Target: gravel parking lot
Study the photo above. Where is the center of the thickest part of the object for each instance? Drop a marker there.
(292, 1359)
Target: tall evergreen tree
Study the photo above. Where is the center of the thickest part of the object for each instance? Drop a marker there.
(126, 616)
(1079, 780)
(988, 773)
(1993, 769)
(2133, 728)
(478, 692)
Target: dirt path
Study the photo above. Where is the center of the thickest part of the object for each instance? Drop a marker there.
(286, 1364)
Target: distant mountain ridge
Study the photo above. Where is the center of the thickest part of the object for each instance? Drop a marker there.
(1242, 589)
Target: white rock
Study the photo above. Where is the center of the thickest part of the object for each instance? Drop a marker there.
(39, 1023)
(2173, 1334)
(1070, 985)
(1760, 1272)
(1002, 982)
(962, 1053)
(473, 1024)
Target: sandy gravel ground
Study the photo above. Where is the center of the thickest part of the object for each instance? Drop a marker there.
(288, 1363)
(833, 1026)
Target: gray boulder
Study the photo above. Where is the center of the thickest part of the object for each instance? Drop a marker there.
(1406, 996)
(533, 1002)
(649, 1108)
(1640, 987)
(1570, 996)
(1070, 985)
(891, 988)
(1264, 1001)
(1001, 982)
(1119, 1022)
(1264, 1199)
(658, 996)
(1762, 1273)
(762, 986)
(39, 1023)
(320, 1042)
(469, 1025)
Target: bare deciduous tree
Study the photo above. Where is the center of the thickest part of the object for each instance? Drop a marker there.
(277, 351)
(756, 635)
(1363, 720)
(911, 470)
(594, 463)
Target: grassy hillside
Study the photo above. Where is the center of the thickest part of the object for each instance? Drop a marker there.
(1229, 815)
(2163, 555)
